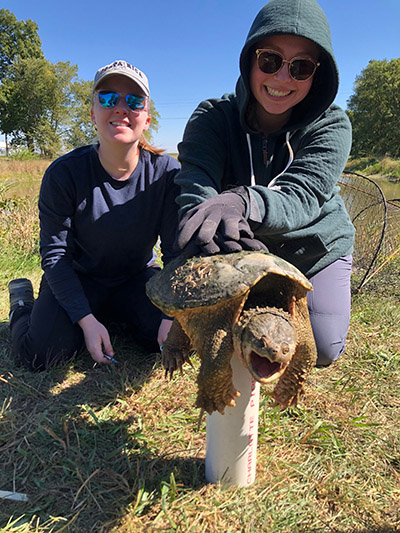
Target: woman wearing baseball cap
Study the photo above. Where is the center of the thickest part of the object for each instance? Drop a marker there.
(102, 209)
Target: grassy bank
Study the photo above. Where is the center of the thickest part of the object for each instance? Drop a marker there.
(117, 449)
(373, 166)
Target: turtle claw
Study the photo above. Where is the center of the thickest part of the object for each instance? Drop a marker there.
(202, 411)
(169, 372)
(174, 359)
(287, 399)
(218, 401)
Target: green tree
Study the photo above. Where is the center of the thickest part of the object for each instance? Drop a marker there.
(374, 110)
(80, 130)
(17, 39)
(154, 124)
(37, 95)
(51, 132)
(23, 98)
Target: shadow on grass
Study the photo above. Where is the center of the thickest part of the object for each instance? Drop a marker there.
(80, 443)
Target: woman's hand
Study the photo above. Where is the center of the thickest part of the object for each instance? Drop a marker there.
(217, 225)
(163, 330)
(97, 339)
(200, 224)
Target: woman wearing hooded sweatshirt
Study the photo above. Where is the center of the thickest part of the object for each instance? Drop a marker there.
(260, 166)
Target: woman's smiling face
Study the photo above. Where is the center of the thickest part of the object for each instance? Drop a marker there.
(277, 94)
(119, 123)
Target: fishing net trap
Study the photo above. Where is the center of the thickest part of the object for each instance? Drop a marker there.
(377, 223)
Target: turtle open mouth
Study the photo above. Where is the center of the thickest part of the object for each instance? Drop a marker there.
(262, 369)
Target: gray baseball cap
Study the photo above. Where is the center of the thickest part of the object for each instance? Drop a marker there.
(122, 68)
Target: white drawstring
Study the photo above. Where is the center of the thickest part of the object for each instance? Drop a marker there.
(252, 177)
(271, 184)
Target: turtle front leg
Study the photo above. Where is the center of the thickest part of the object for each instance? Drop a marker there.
(215, 386)
(290, 387)
(175, 350)
(212, 339)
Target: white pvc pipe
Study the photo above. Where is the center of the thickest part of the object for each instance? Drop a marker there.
(231, 449)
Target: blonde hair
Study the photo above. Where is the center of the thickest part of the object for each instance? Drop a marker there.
(145, 145)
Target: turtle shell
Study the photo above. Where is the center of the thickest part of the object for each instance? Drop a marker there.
(205, 281)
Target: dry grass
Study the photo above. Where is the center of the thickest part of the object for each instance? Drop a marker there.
(19, 226)
(24, 176)
(19, 241)
(11, 168)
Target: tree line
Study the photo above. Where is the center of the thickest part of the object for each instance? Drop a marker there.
(45, 106)
(374, 110)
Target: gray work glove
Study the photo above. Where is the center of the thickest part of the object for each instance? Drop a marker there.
(215, 225)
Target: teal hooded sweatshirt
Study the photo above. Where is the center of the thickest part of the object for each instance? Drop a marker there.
(289, 178)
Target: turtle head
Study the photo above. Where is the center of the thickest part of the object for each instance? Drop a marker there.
(268, 342)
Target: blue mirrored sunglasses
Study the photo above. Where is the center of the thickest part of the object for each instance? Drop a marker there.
(133, 101)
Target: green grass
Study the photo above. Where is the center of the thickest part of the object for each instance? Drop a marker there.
(116, 449)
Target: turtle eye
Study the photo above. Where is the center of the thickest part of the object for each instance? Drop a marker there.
(264, 341)
(285, 348)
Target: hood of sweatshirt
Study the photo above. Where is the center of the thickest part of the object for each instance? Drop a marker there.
(304, 18)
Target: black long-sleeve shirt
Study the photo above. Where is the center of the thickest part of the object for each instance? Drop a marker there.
(105, 228)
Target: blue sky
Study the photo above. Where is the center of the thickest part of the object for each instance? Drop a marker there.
(189, 49)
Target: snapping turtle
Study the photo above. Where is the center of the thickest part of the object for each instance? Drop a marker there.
(252, 303)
